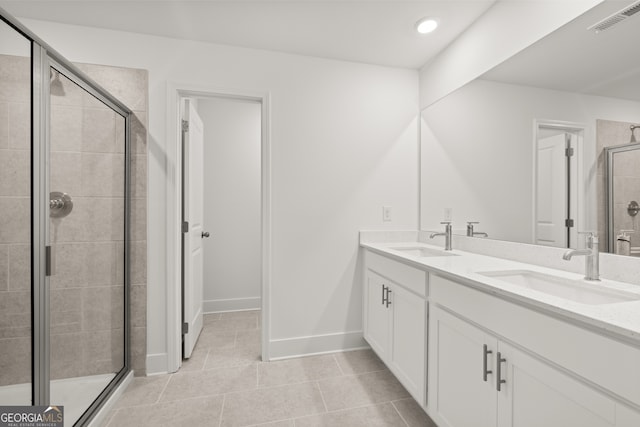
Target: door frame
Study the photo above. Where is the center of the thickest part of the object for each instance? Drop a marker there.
(578, 198)
(175, 93)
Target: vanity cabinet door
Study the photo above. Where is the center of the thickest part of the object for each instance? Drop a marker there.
(536, 394)
(408, 361)
(377, 324)
(459, 394)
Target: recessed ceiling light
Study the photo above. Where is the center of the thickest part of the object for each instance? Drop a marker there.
(426, 25)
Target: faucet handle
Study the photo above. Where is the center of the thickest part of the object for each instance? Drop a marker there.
(473, 222)
(591, 238)
(445, 222)
(589, 235)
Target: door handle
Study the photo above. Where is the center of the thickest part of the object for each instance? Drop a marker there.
(499, 380)
(485, 371)
(205, 234)
(388, 300)
(384, 289)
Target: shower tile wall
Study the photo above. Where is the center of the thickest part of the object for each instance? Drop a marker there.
(15, 206)
(626, 184)
(86, 162)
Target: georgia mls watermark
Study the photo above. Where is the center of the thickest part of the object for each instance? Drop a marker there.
(31, 416)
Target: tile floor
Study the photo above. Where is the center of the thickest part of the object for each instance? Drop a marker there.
(225, 384)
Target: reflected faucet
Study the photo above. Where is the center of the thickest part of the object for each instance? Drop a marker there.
(446, 234)
(471, 233)
(591, 253)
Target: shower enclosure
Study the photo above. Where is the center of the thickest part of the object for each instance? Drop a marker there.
(64, 226)
(623, 198)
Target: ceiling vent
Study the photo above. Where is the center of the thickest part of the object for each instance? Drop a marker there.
(616, 18)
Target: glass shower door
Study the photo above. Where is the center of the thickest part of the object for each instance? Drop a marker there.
(87, 239)
(15, 218)
(623, 200)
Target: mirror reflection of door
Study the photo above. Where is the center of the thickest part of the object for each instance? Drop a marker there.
(555, 183)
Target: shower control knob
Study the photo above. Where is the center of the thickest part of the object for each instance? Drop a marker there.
(205, 234)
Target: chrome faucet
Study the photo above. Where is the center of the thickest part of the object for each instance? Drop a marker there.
(471, 233)
(591, 253)
(446, 234)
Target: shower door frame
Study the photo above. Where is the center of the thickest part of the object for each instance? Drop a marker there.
(42, 58)
(609, 170)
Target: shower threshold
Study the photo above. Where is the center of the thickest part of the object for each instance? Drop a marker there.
(75, 394)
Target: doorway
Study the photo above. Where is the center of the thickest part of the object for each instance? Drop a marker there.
(558, 186)
(234, 203)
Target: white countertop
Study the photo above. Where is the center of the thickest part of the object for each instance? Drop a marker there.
(619, 319)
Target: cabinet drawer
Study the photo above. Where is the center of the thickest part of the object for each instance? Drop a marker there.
(607, 362)
(411, 278)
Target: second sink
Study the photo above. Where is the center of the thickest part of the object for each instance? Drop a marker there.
(573, 290)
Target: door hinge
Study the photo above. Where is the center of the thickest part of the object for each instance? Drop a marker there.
(185, 226)
(569, 152)
(568, 223)
(48, 264)
(185, 126)
(185, 328)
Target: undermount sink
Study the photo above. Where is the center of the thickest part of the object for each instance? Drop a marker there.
(578, 291)
(422, 252)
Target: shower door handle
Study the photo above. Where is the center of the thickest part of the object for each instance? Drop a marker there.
(48, 261)
(205, 234)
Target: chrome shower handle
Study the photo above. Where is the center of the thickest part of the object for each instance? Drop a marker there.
(60, 204)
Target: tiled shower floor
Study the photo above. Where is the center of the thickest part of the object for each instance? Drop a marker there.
(226, 384)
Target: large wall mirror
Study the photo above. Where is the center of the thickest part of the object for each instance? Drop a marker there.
(543, 146)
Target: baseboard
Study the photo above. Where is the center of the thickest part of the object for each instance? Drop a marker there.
(316, 344)
(157, 363)
(101, 416)
(232, 304)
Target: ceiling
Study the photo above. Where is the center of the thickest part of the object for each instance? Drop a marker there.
(374, 31)
(575, 59)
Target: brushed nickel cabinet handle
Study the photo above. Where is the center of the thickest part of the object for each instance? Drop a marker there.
(499, 380)
(485, 371)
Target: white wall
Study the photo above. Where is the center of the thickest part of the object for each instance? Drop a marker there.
(232, 255)
(505, 29)
(477, 153)
(344, 143)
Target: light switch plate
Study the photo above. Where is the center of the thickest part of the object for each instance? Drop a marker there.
(448, 213)
(386, 213)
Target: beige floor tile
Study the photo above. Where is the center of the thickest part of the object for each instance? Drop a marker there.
(271, 404)
(201, 411)
(359, 362)
(360, 390)
(184, 385)
(285, 423)
(297, 370)
(210, 337)
(196, 361)
(228, 357)
(249, 339)
(380, 415)
(234, 324)
(143, 390)
(240, 314)
(413, 414)
(209, 317)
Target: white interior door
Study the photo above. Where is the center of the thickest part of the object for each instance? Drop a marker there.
(192, 210)
(551, 191)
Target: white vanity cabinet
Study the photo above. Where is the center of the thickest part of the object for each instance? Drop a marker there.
(459, 396)
(479, 377)
(395, 310)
